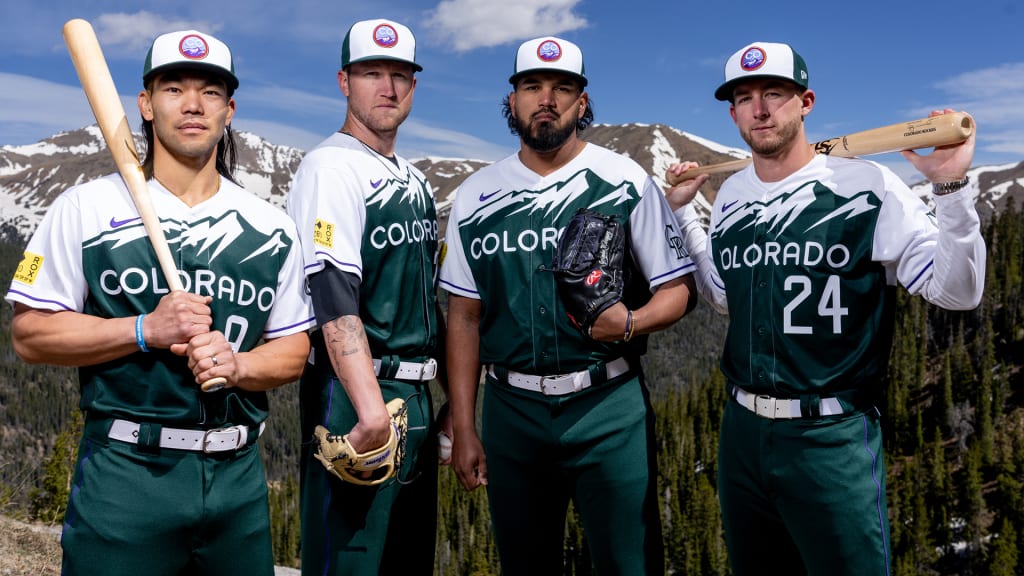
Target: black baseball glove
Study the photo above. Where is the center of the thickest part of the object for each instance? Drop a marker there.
(588, 266)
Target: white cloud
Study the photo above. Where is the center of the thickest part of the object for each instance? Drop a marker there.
(127, 35)
(32, 109)
(992, 96)
(417, 139)
(296, 103)
(470, 24)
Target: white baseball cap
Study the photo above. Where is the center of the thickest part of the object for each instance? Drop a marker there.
(549, 54)
(762, 60)
(379, 40)
(190, 50)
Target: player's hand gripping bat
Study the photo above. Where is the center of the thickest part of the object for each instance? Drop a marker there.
(939, 130)
(99, 88)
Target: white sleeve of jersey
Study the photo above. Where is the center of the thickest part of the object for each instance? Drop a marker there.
(943, 261)
(456, 277)
(330, 216)
(50, 276)
(696, 240)
(655, 239)
(293, 310)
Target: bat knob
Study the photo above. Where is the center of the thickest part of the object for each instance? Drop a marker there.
(214, 384)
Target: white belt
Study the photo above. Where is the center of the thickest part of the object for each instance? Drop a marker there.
(411, 370)
(563, 383)
(771, 407)
(216, 440)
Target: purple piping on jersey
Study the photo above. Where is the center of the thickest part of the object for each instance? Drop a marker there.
(336, 261)
(70, 516)
(879, 494)
(327, 501)
(40, 300)
(459, 288)
(327, 533)
(688, 269)
(910, 286)
(289, 327)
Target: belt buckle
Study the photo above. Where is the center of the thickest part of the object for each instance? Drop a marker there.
(206, 438)
(430, 363)
(765, 405)
(553, 379)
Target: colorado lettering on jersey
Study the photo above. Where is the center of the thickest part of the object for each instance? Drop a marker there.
(492, 223)
(219, 257)
(809, 246)
(508, 242)
(808, 254)
(239, 292)
(398, 233)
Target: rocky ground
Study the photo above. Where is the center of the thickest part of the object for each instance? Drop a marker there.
(28, 549)
(34, 550)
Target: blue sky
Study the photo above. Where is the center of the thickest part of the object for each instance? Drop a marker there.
(871, 63)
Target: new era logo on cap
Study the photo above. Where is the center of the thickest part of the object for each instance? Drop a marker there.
(762, 60)
(190, 49)
(379, 40)
(549, 54)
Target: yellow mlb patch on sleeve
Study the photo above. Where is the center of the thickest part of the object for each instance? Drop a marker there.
(28, 268)
(323, 233)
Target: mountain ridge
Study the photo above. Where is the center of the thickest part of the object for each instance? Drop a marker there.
(32, 175)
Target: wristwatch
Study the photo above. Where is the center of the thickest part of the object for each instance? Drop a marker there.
(943, 188)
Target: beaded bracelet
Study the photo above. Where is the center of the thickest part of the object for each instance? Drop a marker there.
(139, 338)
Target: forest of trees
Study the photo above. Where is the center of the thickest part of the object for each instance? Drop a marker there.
(954, 432)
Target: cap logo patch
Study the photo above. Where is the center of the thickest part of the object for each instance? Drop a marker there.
(549, 51)
(753, 59)
(193, 47)
(385, 36)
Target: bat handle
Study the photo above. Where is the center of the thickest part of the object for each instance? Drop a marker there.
(214, 384)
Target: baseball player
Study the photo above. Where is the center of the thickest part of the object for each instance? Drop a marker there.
(169, 478)
(565, 415)
(804, 253)
(368, 230)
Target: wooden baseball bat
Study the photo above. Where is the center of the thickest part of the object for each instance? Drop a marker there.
(99, 88)
(939, 130)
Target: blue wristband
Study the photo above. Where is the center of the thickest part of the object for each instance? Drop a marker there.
(139, 339)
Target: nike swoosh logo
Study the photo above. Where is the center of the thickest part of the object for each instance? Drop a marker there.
(115, 223)
(486, 197)
(727, 205)
(375, 184)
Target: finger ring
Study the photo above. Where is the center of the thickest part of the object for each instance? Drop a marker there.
(214, 359)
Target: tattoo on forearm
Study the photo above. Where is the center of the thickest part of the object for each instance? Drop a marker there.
(346, 335)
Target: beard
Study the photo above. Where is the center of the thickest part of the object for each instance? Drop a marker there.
(768, 147)
(544, 136)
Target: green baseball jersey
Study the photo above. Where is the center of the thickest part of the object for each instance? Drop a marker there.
(807, 268)
(91, 254)
(373, 217)
(502, 233)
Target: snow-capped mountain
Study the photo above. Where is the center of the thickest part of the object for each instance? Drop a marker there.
(31, 176)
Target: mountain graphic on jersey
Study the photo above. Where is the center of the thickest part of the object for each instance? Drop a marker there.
(209, 237)
(557, 202)
(798, 213)
(394, 189)
(223, 257)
